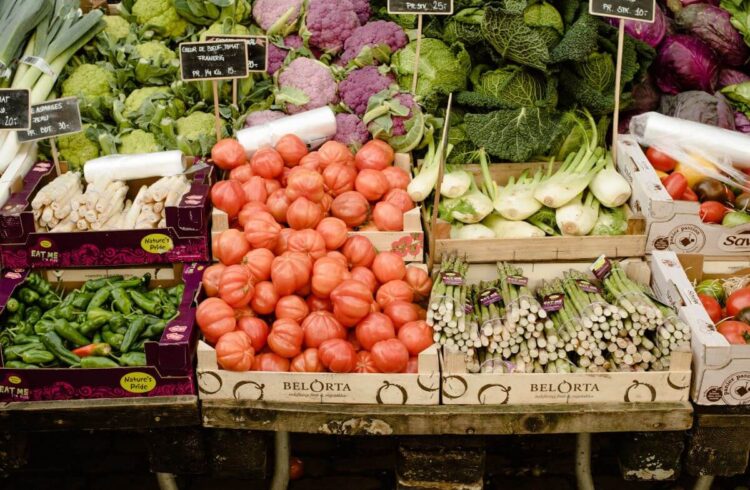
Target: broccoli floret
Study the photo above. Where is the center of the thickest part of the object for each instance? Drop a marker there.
(161, 16)
(277, 16)
(92, 84)
(138, 141)
(77, 148)
(329, 23)
(305, 84)
(117, 28)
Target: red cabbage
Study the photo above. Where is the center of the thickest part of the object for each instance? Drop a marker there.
(686, 63)
(713, 26)
(650, 33)
(729, 76)
(741, 122)
(701, 107)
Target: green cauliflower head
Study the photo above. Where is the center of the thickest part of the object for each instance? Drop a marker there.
(224, 28)
(138, 141)
(117, 27)
(145, 107)
(154, 63)
(161, 16)
(92, 84)
(77, 149)
(194, 135)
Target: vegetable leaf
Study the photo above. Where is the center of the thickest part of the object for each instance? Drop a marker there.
(579, 41)
(514, 135)
(506, 31)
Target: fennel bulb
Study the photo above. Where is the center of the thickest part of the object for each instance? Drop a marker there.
(611, 222)
(571, 179)
(516, 200)
(425, 181)
(456, 184)
(609, 187)
(470, 208)
(511, 229)
(578, 217)
(471, 232)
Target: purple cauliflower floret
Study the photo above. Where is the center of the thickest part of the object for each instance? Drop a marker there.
(362, 7)
(350, 130)
(373, 34)
(277, 16)
(357, 88)
(399, 128)
(330, 23)
(262, 117)
(310, 79)
(277, 55)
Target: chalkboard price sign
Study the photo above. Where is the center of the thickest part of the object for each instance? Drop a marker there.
(642, 10)
(257, 50)
(426, 7)
(15, 109)
(219, 60)
(53, 118)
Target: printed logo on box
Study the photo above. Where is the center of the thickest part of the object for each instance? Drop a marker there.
(137, 382)
(157, 243)
(44, 253)
(10, 386)
(687, 238)
(736, 389)
(735, 242)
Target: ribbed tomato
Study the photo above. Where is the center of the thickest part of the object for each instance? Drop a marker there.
(399, 198)
(333, 231)
(290, 272)
(400, 312)
(359, 251)
(351, 207)
(419, 281)
(372, 184)
(267, 163)
(351, 302)
(390, 356)
(286, 338)
(256, 329)
(228, 196)
(398, 178)
(234, 351)
(365, 364)
(374, 328)
(278, 205)
(270, 361)
(388, 266)
(319, 304)
(293, 307)
(327, 274)
(366, 277)
(230, 246)
(260, 233)
(258, 262)
(307, 362)
(265, 298)
(387, 217)
(236, 286)
(338, 356)
(394, 291)
(320, 326)
(255, 190)
(339, 178)
(303, 214)
(215, 318)
(305, 183)
(307, 241)
(211, 278)
(416, 336)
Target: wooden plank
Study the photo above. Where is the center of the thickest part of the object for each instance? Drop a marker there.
(421, 420)
(117, 413)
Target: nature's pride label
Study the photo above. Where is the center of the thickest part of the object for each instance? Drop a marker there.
(137, 382)
(157, 243)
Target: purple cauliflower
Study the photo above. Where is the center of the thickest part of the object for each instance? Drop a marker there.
(277, 16)
(729, 76)
(362, 7)
(306, 84)
(741, 122)
(406, 100)
(277, 54)
(330, 23)
(376, 33)
(350, 130)
(357, 88)
(262, 117)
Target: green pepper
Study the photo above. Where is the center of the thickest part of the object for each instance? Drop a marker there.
(19, 365)
(25, 339)
(80, 300)
(135, 329)
(100, 297)
(37, 357)
(33, 314)
(154, 330)
(113, 339)
(14, 319)
(14, 352)
(28, 295)
(168, 311)
(12, 305)
(49, 301)
(117, 321)
(98, 317)
(43, 326)
(97, 284)
(176, 293)
(70, 333)
(54, 344)
(133, 359)
(24, 328)
(146, 303)
(133, 282)
(160, 294)
(121, 301)
(97, 338)
(67, 312)
(97, 362)
(35, 282)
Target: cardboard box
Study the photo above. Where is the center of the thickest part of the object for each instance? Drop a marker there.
(722, 370)
(185, 238)
(170, 360)
(674, 225)
(632, 244)
(459, 387)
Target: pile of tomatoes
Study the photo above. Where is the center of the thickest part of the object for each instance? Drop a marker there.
(731, 313)
(292, 291)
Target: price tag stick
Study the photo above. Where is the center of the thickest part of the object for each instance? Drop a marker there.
(441, 170)
(55, 155)
(618, 76)
(234, 92)
(217, 115)
(417, 53)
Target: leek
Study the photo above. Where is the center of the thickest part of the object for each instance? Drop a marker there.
(17, 19)
(578, 217)
(516, 200)
(609, 187)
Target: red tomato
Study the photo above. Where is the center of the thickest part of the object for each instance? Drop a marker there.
(390, 356)
(689, 195)
(660, 161)
(412, 366)
(712, 307)
(374, 328)
(416, 336)
(338, 356)
(735, 332)
(712, 212)
(738, 301)
(676, 185)
(365, 364)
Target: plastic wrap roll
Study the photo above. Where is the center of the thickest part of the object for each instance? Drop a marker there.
(314, 127)
(654, 129)
(132, 167)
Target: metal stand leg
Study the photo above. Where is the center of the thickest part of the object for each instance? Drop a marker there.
(704, 482)
(167, 481)
(583, 462)
(281, 462)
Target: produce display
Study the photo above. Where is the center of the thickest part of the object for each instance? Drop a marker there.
(727, 302)
(570, 323)
(104, 323)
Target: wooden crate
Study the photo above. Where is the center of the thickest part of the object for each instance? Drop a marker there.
(464, 388)
(633, 244)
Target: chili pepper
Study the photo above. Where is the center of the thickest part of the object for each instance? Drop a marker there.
(54, 344)
(81, 300)
(14, 352)
(49, 301)
(145, 303)
(19, 365)
(67, 312)
(113, 339)
(97, 338)
(97, 362)
(154, 330)
(117, 321)
(87, 328)
(133, 359)
(135, 329)
(139, 345)
(97, 284)
(133, 282)
(98, 317)
(100, 297)
(28, 295)
(14, 319)
(19, 339)
(168, 311)
(177, 292)
(121, 300)
(38, 284)
(69, 333)
(37, 357)
(43, 326)
(12, 305)
(98, 349)
(33, 314)
(24, 328)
